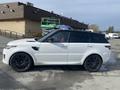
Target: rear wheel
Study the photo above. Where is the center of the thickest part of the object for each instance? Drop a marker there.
(21, 62)
(93, 63)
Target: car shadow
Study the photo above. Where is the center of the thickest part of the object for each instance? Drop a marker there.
(58, 67)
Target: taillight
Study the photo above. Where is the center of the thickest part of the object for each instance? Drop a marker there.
(108, 46)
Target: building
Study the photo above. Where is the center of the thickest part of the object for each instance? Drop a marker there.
(26, 19)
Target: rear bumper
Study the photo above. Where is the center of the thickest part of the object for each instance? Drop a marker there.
(106, 56)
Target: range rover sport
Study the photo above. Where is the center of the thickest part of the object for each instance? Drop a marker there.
(60, 47)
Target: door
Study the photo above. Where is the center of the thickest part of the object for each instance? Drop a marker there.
(54, 49)
(79, 43)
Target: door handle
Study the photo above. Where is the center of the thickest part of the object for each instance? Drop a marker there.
(64, 46)
(90, 46)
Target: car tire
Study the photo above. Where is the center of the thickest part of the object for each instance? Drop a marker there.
(93, 63)
(21, 62)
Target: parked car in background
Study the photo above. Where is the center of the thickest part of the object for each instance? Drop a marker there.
(112, 36)
(90, 30)
(60, 47)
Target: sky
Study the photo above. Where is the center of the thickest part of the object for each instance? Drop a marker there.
(104, 13)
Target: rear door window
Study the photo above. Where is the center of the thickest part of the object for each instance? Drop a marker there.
(79, 37)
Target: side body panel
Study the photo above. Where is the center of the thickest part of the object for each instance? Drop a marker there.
(52, 53)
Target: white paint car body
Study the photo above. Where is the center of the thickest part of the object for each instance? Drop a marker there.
(56, 53)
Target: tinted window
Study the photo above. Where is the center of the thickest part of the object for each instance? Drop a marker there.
(77, 37)
(60, 36)
(98, 38)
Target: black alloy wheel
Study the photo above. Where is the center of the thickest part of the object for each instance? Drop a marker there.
(93, 63)
(21, 62)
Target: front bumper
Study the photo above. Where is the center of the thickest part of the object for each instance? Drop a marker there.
(6, 56)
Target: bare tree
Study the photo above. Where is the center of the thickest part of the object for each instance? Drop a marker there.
(110, 29)
(94, 27)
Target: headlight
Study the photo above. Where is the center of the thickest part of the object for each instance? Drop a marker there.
(10, 46)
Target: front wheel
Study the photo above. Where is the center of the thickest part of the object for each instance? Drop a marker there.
(21, 62)
(93, 63)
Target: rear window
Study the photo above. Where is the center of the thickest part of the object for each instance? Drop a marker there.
(98, 38)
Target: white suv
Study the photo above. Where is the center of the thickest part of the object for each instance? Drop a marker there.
(61, 47)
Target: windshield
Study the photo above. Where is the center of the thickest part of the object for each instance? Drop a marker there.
(46, 35)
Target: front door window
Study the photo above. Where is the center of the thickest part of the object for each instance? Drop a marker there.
(59, 37)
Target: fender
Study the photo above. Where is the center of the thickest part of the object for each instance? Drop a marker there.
(90, 53)
(27, 50)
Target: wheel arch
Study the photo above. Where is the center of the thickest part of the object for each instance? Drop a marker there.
(83, 60)
(33, 62)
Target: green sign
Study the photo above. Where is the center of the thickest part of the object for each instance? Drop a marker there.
(49, 23)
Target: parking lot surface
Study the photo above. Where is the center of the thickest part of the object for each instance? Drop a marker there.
(64, 77)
